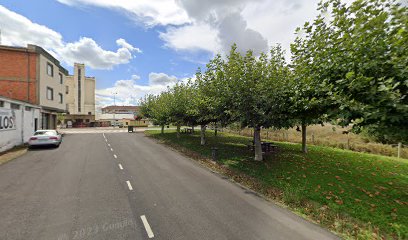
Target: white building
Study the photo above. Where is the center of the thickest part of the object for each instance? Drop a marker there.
(18, 121)
(80, 97)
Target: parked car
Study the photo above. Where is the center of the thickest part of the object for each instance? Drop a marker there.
(45, 137)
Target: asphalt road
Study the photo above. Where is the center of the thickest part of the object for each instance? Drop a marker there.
(126, 186)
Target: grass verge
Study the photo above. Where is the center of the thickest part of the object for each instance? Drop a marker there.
(358, 195)
(12, 154)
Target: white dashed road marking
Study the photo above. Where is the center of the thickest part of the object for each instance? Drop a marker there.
(112, 149)
(147, 227)
(129, 185)
(108, 144)
(114, 155)
(120, 166)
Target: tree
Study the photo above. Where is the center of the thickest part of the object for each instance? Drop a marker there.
(258, 87)
(312, 100)
(359, 50)
(60, 118)
(155, 108)
(202, 103)
(177, 104)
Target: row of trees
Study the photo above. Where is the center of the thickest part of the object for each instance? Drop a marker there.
(349, 66)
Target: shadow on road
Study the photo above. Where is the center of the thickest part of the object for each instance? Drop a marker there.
(41, 148)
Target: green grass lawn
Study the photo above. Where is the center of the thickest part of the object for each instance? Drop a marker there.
(358, 195)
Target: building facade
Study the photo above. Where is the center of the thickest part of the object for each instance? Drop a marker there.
(32, 75)
(121, 110)
(18, 121)
(117, 115)
(80, 92)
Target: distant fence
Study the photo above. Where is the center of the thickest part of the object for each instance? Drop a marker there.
(326, 136)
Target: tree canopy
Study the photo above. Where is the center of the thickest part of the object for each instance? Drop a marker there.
(349, 66)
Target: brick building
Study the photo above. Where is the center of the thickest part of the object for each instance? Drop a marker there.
(30, 74)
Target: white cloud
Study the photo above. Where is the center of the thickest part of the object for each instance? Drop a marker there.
(233, 29)
(161, 79)
(210, 25)
(203, 10)
(18, 30)
(122, 42)
(128, 92)
(277, 20)
(135, 77)
(213, 25)
(150, 12)
(217, 23)
(87, 51)
(191, 38)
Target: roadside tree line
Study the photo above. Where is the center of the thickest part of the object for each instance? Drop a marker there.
(348, 66)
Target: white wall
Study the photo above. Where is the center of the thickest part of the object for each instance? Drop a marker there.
(89, 105)
(23, 124)
(87, 92)
(117, 116)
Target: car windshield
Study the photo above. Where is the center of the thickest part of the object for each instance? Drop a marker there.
(46, 133)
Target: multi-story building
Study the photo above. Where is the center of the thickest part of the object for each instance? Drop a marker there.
(80, 99)
(32, 75)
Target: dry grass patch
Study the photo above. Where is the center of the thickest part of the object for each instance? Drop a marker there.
(12, 154)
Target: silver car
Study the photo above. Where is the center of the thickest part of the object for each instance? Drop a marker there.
(45, 137)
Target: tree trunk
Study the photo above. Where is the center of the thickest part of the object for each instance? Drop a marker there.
(304, 147)
(192, 127)
(178, 130)
(203, 127)
(257, 142)
(162, 129)
(215, 130)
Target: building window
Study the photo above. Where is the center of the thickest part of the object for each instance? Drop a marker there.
(14, 106)
(50, 93)
(28, 108)
(89, 113)
(50, 70)
(79, 90)
(61, 79)
(61, 98)
(66, 89)
(1, 103)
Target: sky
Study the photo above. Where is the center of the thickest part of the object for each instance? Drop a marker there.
(138, 47)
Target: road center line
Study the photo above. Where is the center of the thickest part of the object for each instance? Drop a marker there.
(147, 227)
(129, 185)
(112, 149)
(108, 144)
(114, 155)
(120, 166)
